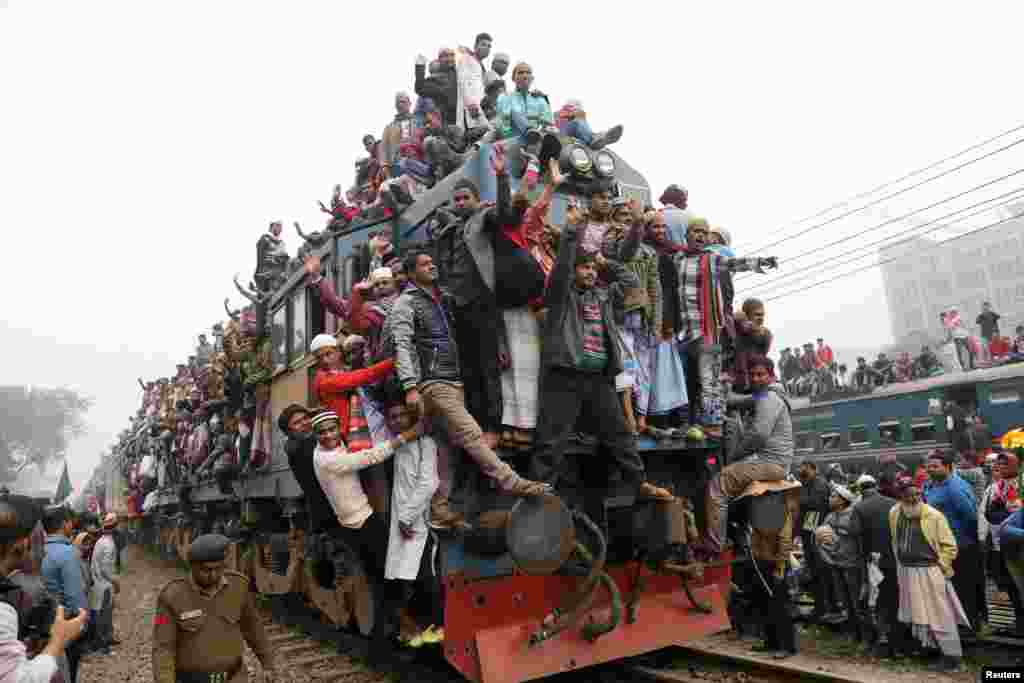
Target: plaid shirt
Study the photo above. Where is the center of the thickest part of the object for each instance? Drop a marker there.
(690, 283)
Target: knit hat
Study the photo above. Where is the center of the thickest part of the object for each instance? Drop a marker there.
(844, 493)
(322, 341)
(323, 417)
(672, 191)
(904, 482)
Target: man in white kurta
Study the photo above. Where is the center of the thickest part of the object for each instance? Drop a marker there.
(105, 582)
(415, 482)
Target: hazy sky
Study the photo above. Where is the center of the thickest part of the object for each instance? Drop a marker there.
(144, 146)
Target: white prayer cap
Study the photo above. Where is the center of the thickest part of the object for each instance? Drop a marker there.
(322, 341)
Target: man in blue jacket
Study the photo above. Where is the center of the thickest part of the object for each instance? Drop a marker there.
(954, 498)
(1011, 544)
(62, 574)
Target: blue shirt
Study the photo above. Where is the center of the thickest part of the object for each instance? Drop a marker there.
(955, 499)
(62, 574)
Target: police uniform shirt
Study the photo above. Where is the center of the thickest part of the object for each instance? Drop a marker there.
(196, 631)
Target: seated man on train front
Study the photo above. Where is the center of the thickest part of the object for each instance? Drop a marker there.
(572, 121)
(766, 449)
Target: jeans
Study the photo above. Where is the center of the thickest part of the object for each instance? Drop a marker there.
(704, 383)
(413, 167)
(580, 129)
(730, 483)
(521, 125)
(568, 394)
(445, 405)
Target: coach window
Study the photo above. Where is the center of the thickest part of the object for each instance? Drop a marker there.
(1003, 396)
(858, 436)
(279, 335)
(300, 323)
(890, 432)
(806, 442)
(922, 431)
(348, 276)
(830, 441)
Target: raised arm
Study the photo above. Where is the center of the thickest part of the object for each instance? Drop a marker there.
(328, 299)
(757, 264)
(340, 382)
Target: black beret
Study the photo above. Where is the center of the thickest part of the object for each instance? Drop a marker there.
(209, 548)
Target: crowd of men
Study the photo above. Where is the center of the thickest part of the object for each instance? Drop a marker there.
(813, 371)
(69, 561)
(901, 560)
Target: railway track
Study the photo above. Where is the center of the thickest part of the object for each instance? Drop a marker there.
(326, 654)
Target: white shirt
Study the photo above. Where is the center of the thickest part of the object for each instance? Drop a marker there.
(338, 474)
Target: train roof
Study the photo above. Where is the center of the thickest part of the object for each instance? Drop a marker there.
(984, 375)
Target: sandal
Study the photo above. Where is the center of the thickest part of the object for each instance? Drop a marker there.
(649, 491)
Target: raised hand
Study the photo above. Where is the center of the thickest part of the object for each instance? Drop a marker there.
(556, 173)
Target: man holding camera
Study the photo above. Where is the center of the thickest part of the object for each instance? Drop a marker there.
(15, 530)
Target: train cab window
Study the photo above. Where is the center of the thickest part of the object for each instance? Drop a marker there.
(279, 337)
(830, 441)
(805, 442)
(859, 435)
(922, 431)
(347, 277)
(890, 432)
(299, 325)
(1001, 396)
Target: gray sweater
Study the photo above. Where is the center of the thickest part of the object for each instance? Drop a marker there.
(770, 435)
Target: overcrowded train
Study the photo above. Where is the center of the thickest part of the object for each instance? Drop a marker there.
(531, 586)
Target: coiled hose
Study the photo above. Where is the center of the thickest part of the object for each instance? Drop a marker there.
(562, 618)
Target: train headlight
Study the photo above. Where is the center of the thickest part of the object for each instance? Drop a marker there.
(576, 159)
(604, 164)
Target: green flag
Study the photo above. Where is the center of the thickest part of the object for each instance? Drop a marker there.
(64, 487)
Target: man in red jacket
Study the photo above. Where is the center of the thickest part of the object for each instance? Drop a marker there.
(334, 387)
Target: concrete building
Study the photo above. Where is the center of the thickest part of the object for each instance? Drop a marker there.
(925, 278)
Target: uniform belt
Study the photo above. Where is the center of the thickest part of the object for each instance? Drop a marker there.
(207, 676)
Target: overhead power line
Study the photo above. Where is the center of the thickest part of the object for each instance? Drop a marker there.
(885, 198)
(879, 188)
(889, 260)
(842, 240)
(817, 267)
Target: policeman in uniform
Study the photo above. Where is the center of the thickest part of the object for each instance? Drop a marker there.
(201, 620)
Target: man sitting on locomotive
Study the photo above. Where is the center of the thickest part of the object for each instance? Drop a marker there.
(768, 445)
(572, 121)
(703, 320)
(580, 357)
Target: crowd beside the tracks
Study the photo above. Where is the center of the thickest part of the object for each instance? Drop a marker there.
(900, 560)
(53, 560)
(814, 371)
